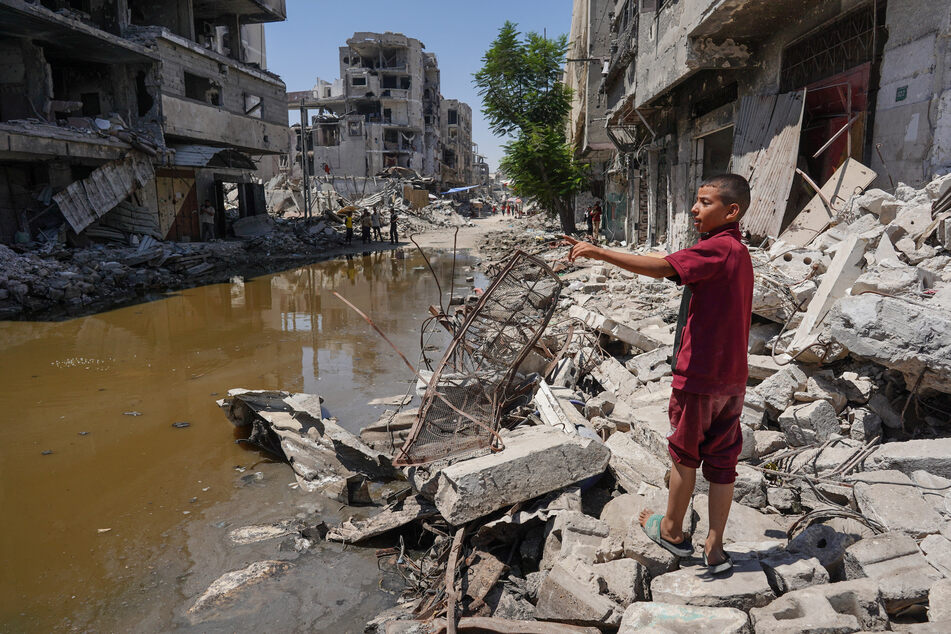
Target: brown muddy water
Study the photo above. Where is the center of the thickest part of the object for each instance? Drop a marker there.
(115, 520)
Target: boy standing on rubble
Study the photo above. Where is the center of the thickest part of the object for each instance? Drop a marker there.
(710, 366)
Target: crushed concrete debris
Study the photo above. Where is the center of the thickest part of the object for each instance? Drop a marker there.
(841, 504)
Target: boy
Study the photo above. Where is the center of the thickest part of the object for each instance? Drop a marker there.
(710, 363)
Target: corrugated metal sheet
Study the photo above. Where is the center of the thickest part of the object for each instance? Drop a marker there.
(86, 200)
(206, 155)
(765, 148)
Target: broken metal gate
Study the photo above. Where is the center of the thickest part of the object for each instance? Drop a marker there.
(470, 388)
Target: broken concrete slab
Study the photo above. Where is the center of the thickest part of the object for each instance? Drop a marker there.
(613, 329)
(390, 431)
(556, 411)
(762, 366)
(783, 499)
(865, 424)
(892, 499)
(624, 580)
(778, 390)
(845, 268)
(224, 590)
(766, 442)
(744, 588)
(749, 488)
(822, 385)
(621, 516)
(939, 601)
(535, 461)
(937, 550)
(615, 378)
(394, 516)
(572, 534)
(652, 365)
(937, 491)
(904, 336)
(848, 606)
(890, 276)
(893, 559)
(825, 544)
(809, 423)
(263, 532)
(319, 450)
(788, 572)
(632, 464)
(570, 594)
(669, 618)
(932, 455)
(649, 427)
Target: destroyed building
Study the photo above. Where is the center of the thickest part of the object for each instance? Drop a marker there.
(122, 116)
(385, 111)
(761, 88)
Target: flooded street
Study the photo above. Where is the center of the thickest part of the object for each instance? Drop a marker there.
(116, 519)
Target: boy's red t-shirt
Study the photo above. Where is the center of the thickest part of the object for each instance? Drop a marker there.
(713, 347)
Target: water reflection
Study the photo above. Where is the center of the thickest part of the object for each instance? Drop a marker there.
(71, 387)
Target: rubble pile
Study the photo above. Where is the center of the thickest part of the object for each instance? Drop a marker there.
(51, 277)
(842, 514)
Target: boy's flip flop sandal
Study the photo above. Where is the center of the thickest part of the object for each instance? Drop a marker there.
(723, 566)
(652, 529)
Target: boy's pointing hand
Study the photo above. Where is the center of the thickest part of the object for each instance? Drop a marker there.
(581, 249)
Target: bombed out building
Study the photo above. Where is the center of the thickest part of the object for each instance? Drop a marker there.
(121, 116)
(384, 111)
(810, 100)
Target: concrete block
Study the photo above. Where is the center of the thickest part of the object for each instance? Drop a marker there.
(572, 534)
(889, 276)
(825, 544)
(893, 559)
(865, 424)
(632, 464)
(857, 388)
(649, 427)
(937, 551)
(939, 601)
(749, 488)
(624, 580)
(937, 491)
(788, 572)
(762, 366)
(652, 365)
(777, 391)
(932, 455)
(760, 336)
(823, 385)
(892, 499)
(783, 499)
(570, 594)
(535, 461)
(910, 338)
(749, 442)
(766, 442)
(599, 405)
(809, 423)
(667, 618)
(745, 587)
(849, 606)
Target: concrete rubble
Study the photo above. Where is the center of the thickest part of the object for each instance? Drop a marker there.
(841, 511)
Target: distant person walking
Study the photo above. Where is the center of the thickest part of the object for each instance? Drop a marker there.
(596, 222)
(377, 224)
(365, 224)
(348, 223)
(587, 218)
(207, 217)
(394, 237)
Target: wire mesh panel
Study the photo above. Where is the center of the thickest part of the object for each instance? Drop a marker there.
(465, 397)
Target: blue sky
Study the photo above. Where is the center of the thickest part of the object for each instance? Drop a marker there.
(305, 46)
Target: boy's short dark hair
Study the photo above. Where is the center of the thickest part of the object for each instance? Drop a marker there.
(733, 188)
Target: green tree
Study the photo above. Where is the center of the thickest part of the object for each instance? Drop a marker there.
(524, 98)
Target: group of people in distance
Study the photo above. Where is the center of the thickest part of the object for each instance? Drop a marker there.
(371, 225)
(508, 209)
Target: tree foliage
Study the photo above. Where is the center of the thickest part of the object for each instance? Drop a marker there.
(524, 98)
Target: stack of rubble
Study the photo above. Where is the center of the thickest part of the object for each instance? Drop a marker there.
(842, 513)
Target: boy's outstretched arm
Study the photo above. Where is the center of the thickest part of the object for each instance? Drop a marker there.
(640, 264)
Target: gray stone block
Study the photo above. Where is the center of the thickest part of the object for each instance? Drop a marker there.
(632, 464)
(849, 606)
(825, 544)
(892, 499)
(809, 423)
(787, 572)
(535, 461)
(932, 455)
(570, 594)
(892, 559)
(939, 601)
(623, 580)
(745, 587)
(667, 618)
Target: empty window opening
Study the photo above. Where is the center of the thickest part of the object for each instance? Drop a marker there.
(452, 117)
(144, 100)
(327, 135)
(202, 89)
(358, 81)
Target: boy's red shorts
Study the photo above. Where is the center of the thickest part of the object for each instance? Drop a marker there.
(705, 429)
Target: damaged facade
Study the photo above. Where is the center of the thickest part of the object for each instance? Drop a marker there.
(690, 89)
(385, 111)
(140, 109)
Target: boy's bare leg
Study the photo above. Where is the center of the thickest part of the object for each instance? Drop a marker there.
(682, 481)
(720, 499)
